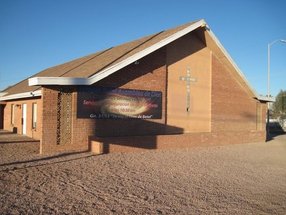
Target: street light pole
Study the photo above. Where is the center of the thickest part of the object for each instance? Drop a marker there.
(268, 79)
(268, 70)
(269, 57)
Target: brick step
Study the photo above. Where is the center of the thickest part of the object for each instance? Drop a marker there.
(141, 143)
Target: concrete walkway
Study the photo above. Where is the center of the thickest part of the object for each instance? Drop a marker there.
(10, 137)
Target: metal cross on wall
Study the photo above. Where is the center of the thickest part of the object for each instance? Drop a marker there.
(188, 81)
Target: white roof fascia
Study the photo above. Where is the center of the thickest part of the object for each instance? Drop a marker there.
(22, 95)
(3, 94)
(230, 60)
(35, 81)
(110, 70)
(266, 98)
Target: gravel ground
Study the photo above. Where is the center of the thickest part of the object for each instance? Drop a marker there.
(230, 179)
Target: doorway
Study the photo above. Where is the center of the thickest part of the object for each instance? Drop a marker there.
(24, 119)
(1, 116)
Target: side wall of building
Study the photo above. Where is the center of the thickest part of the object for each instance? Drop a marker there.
(233, 115)
(189, 101)
(236, 117)
(149, 73)
(63, 130)
(14, 122)
(233, 109)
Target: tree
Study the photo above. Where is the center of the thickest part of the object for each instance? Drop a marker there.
(279, 106)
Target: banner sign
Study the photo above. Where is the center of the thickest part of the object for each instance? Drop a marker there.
(116, 103)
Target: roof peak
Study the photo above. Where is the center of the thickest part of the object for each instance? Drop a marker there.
(95, 67)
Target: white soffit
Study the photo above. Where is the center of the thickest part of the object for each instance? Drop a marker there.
(22, 95)
(2, 94)
(266, 98)
(57, 81)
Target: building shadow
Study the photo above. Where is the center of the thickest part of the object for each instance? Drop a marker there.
(132, 138)
(133, 133)
(275, 130)
(45, 160)
(7, 137)
(4, 132)
(19, 141)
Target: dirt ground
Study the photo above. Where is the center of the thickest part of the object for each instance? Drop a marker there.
(232, 179)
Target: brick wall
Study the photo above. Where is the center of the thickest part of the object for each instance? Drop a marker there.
(189, 52)
(149, 74)
(77, 139)
(233, 109)
(234, 120)
(17, 126)
(142, 143)
(233, 113)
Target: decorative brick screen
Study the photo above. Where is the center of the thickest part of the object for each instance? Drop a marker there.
(64, 116)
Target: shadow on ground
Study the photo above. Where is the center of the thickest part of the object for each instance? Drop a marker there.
(275, 130)
(44, 160)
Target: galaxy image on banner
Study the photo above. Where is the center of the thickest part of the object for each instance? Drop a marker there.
(117, 103)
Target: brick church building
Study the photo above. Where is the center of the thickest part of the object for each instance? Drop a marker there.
(175, 88)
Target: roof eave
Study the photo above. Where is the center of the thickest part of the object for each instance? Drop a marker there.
(227, 55)
(41, 81)
(114, 68)
(30, 94)
(3, 94)
(265, 98)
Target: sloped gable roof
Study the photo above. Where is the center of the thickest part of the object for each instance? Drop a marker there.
(88, 66)
(92, 68)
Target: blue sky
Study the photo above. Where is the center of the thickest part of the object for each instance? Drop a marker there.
(37, 34)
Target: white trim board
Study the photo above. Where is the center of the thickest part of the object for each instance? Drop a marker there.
(41, 81)
(22, 95)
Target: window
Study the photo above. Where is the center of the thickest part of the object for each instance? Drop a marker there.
(12, 114)
(34, 115)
